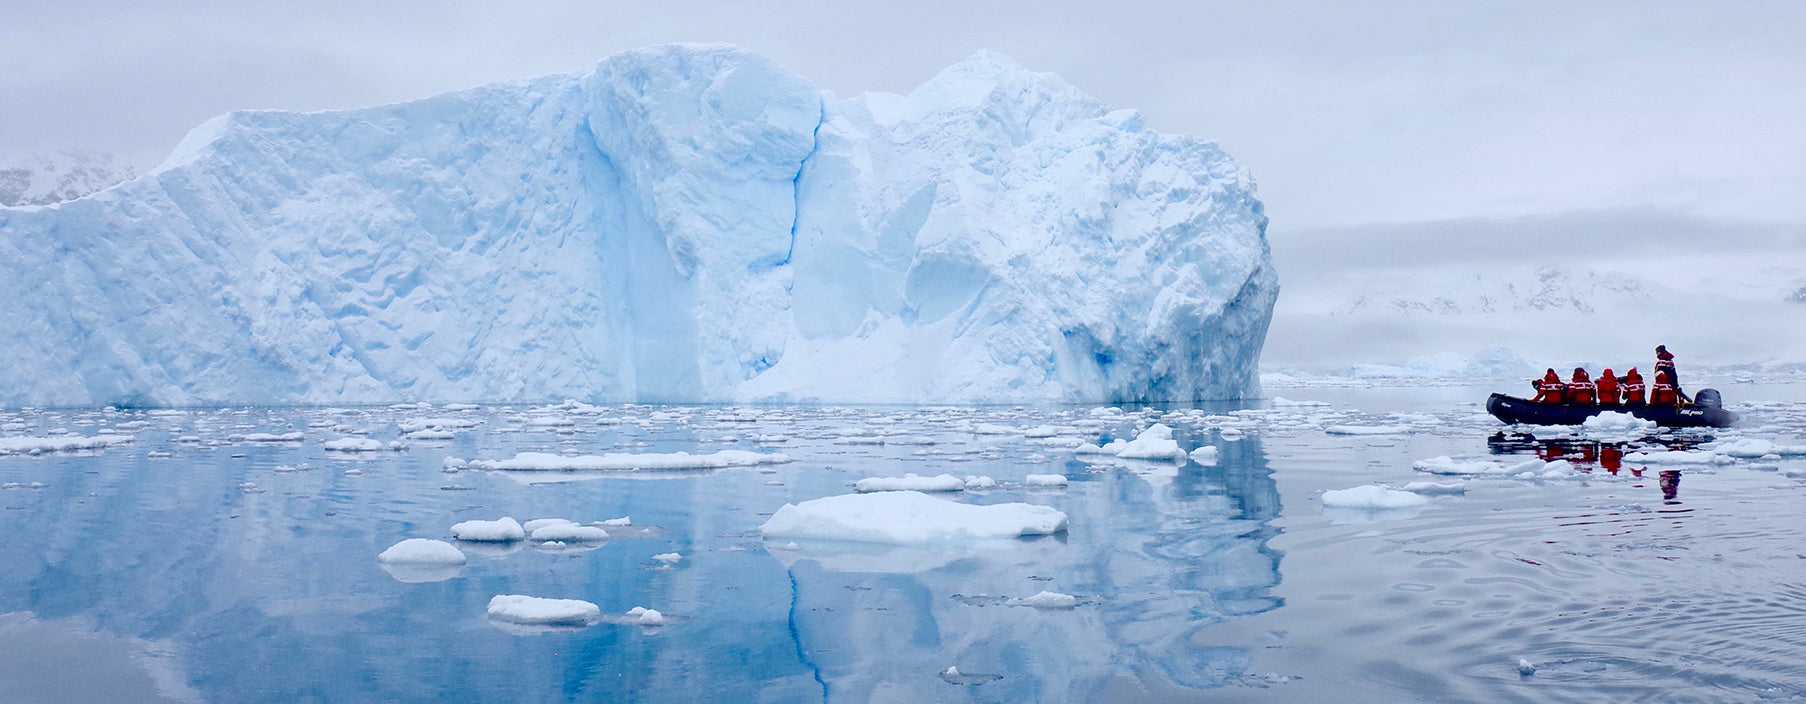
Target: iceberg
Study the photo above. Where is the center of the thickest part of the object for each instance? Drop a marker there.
(683, 223)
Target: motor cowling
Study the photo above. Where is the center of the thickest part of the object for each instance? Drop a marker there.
(1708, 398)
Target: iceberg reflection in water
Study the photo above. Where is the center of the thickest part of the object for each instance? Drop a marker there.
(1156, 552)
(253, 565)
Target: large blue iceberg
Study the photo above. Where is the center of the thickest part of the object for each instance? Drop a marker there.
(684, 223)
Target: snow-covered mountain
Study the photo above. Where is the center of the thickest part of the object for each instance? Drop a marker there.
(42, 179)
(682, 223)
(1547, 289)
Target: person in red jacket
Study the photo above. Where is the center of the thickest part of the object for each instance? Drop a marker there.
(1663, 393)
(1608, 388)
(1581, 389)
(1665, 363)
(1632, 384)
(1549, 389)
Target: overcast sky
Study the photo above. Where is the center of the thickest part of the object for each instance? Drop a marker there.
(1347, 113)
(1441, 125)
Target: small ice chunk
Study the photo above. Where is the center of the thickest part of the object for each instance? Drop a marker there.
(980, 482)
(647, 617)
(622, 521)
(539, 523)
(1044, 480)
(1421, 488)
(543, 461)
(1676, 457)
(910, 482)
(1372, 497)
(569, 532)
(668, 558)
(1111, 448)
(1047, 600)
(362, 445)
(1526, 668)
(421, 551)
(907, 517)
(1206, 455)
(501, 530)
(1155, 443)
(1367, 429)
(38, 446)
(536, 611)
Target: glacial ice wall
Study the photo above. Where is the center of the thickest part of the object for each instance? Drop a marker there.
(683, 223)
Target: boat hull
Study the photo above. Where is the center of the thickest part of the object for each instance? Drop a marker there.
(1512, 409)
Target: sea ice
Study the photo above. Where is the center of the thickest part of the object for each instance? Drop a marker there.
(1446, 465)
(422, 551)
(536, 611)
(1044, 480)
(647, 617)
(905, 517)
(362, 445)
(1047, 600)
(568, 531)
(542, 461)
(1372, 497)
(1206, 455)
(38, 446)
(1367, 429)
(500, 530)
(911, 482)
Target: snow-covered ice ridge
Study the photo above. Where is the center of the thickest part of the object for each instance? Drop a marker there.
(681, 223)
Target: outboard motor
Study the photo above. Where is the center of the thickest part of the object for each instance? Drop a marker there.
(1708, 398)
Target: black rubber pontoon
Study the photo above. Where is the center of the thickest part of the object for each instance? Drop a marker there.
(1706, 412)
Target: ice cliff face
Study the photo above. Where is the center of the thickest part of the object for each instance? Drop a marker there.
(683, 223)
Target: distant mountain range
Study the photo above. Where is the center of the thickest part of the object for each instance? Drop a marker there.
(54, 177)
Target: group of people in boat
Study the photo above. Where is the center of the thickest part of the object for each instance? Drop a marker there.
(1611, 390)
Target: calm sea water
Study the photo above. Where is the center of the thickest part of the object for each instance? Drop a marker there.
(194, 565)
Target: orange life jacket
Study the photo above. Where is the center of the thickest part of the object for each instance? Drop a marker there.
(1608, 389)
(1581, 390)
(1662, 394)
(1633, 389)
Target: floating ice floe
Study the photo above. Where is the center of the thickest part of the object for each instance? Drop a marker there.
(1557, 469)
(1047, 600)
(504, 529)
(647, 617)
(1446, 465)
(668, 558)
(906, 517)
(1044, 480)
(1282, 402)
(543, 461)
(537, 611)
(1751, 448)
(38, 446)
(980, 482)
(1155, 443)
(1206, 455)
(418, 560)
(271, 437)
(363, 445)
(1368, 429)
(1692, 457)
(421, 551)
(1617, 423)
(1421, 488)
(558, 529)
(910, 482)
(1372, 497)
